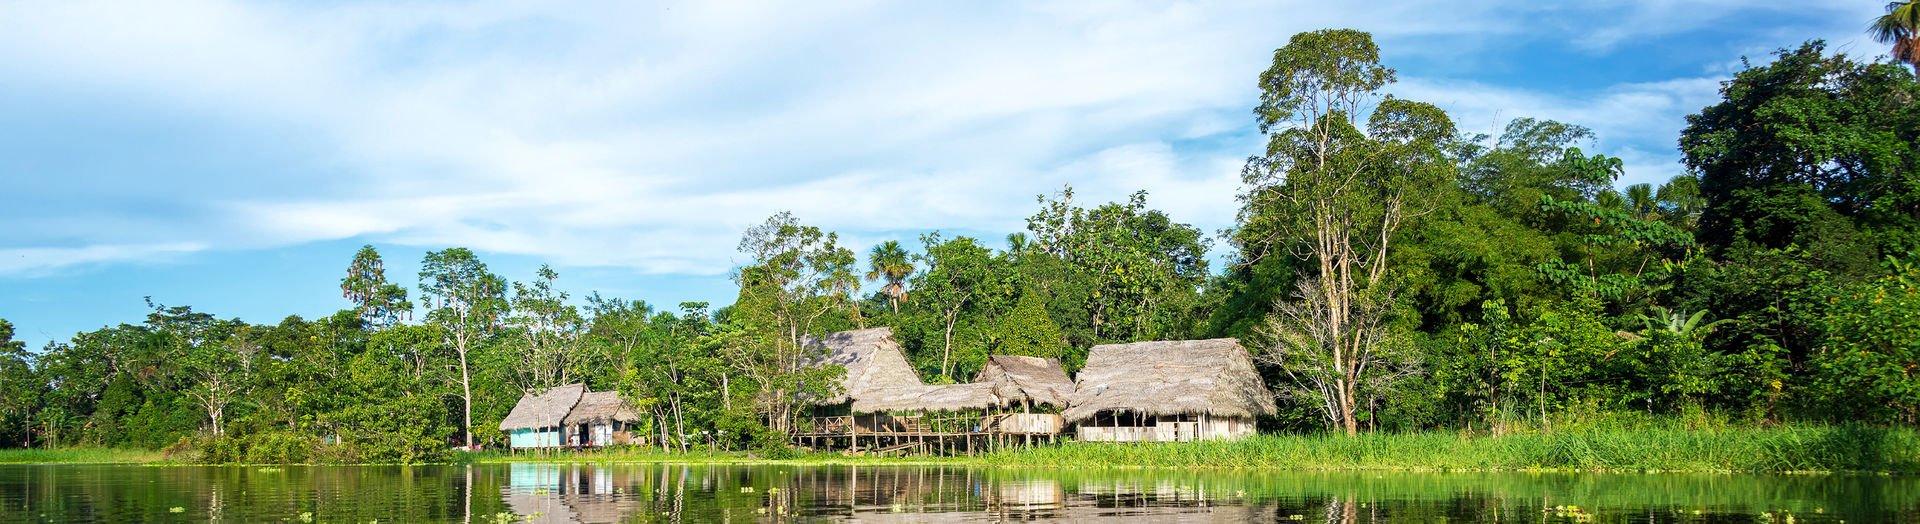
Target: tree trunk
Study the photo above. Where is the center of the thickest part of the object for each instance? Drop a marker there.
(947, 351)
(679, 422)
(466, 396)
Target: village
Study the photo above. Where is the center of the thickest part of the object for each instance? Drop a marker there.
(1160, 391)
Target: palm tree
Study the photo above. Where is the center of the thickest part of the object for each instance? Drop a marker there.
(889, 261)
(1640, 202)
(1681, 201)
(1900, 27)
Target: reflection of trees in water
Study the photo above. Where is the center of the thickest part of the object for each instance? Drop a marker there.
(678, 493)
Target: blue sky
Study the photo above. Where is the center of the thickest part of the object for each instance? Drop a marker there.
(233, 155)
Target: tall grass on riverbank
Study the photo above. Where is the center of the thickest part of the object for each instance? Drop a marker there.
(1790, 448)
(79, 456)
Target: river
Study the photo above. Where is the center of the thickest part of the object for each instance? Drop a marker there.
(546, 492)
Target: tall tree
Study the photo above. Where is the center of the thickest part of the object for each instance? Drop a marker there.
(1139, 269)
(1901, 28)
(378, 303)
(960, 275)
(20, 386)
(549, 329)
(208, 359)
(1329, 192)
(465, 301)
(798, 274)
(890, 262)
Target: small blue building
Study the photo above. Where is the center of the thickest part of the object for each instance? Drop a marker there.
(537, 421)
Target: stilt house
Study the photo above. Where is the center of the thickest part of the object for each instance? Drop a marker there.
(538, 420)
(1174, 391)
(602, 419)
(1027, 384)
(872, 357)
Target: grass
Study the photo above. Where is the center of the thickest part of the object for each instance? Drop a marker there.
(80, 456)
(1795, 448)
(1800, 448)
(1718, 447)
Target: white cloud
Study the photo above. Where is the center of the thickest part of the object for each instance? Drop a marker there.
(38, 261)
(650, 135)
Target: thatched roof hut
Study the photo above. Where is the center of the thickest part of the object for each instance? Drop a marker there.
(1212, 377)
(872, 357)
(601, 407)
(1017, 379)
(544, 410)
(949, 397)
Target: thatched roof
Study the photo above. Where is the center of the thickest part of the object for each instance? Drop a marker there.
(950, 397)
(1031, 379)
(1215, 377)
(545, 409)
(872, 358)
(601, 407)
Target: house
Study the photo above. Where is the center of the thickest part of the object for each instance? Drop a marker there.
(1169, 391)
(602, 419)
(538, 420)
(872, 358)
(1027, 383)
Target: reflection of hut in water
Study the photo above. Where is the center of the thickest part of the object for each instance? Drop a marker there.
(535, 489)
(603, 418)
(585, 493)
(1172, 391)
(537, 421)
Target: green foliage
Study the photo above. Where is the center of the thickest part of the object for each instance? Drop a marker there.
(1811, 150)
(378, 302)
(1027, 331)
(1870, 365)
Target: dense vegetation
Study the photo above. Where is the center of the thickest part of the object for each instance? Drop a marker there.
(1391, 273)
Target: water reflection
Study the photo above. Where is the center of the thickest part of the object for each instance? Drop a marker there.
(587, 493)
(612, 493)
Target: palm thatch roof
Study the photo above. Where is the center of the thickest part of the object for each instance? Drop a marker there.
(1215, 377)
(949, 397)
(1027, 379)
(543, 410)
(601, 407)
(872, 357)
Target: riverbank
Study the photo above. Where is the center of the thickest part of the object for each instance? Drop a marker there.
(1802, 448)
(80, 456)
(1778, 449)
(1797, 448)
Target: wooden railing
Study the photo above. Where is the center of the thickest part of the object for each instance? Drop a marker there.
(949, 423)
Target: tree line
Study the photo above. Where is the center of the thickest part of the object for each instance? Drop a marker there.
(1388, 270)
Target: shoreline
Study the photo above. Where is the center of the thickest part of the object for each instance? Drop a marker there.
(1787, 450)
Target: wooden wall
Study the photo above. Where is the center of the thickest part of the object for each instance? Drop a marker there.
(1168, 429)
(1027, 423)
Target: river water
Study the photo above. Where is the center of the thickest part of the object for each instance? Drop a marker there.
(739, 493)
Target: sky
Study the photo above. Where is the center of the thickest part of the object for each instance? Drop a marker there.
(232, 156)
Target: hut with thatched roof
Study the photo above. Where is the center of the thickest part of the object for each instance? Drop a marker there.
(872, 357)
(538, 420)
(1028, 382)
(602, 418)
(1023, 384)
(1171, 391)
(947, 397)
